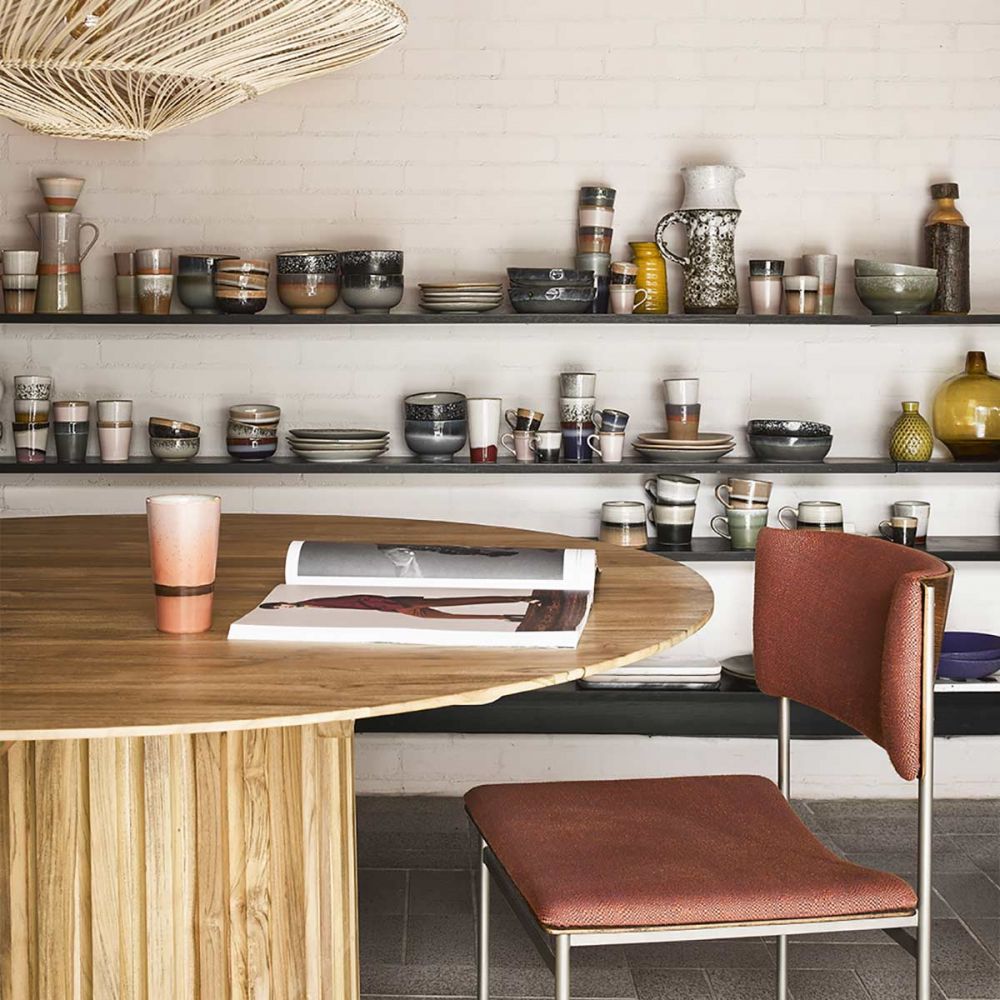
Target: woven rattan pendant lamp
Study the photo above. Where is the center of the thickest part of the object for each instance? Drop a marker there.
(128, 69)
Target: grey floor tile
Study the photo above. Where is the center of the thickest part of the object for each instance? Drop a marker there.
(381, 891)
(585, 981)
(742, 984)
(672, 984)
(894, 984)
(406, 813)
(440, 940)
(962, 823)
(983, 849)
(953, 948)
(700, 955)
(987, 930)
(970, 895)
(828, 984)
(417, 848)
(891, 831)
(441, 892)
(970, 985)
(875, 808)
(397, 980)
(946, 856)
(380, 937)
(804, 955)
(967, 807)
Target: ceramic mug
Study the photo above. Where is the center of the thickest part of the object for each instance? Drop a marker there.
(668, 488)
(547, 445)
(626, 298)
(683, 420)
(576, 409)
(680, 391)
(484, 427)
(744, 493)
(577, 384)
(921, 510)
(623, 522)
(814, 515)
(902, 530)
(523, 419)
(521, 444)
(741, 527)
(610, 420)
(674, 523)
(609, 445)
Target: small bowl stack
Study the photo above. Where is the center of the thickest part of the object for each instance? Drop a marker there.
(195, 282)
(550, 290)
(436, 424)
(461, 296)
(338, 444)
(372, 279)
(308, 280)
(173, 440)
(789, 440)
(895, 289)
(252, 432)
(241, 284)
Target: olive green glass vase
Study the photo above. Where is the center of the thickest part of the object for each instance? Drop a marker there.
(967, 411)
(910, 438)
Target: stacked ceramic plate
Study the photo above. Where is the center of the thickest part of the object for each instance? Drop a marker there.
(657, 446)
(461, 296)
(338, 444)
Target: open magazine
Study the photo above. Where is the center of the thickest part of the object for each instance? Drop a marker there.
(439, 595)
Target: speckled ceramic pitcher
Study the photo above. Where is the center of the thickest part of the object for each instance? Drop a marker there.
(709, 212)
(59, 287)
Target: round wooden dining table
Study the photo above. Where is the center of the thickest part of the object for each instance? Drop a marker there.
(177, 812)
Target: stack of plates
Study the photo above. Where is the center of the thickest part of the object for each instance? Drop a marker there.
(661, 672)
(461, 296)
(333, 444)
(659, 447)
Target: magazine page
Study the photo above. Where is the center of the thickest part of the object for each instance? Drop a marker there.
(432, 566)
(442, 616)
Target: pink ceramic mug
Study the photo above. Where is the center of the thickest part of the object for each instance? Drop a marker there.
(183, 546)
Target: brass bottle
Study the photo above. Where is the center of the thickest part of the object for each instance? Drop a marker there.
(946, 241)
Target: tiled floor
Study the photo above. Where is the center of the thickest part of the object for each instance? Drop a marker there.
(418, 939)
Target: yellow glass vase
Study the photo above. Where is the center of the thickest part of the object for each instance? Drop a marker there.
(967, 411)
(652, 278)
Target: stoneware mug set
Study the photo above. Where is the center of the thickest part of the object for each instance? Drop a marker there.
(746, 505)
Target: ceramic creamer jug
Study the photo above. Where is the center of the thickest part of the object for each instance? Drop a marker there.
(709, 212)
(59, 287)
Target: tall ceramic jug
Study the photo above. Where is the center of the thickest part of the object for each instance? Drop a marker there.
(59, 287)
(709, 212)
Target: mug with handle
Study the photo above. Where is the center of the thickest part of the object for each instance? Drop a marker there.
(521, 444)
(609, 445)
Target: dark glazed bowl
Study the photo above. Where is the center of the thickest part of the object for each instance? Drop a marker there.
(371, 262)
(788, 428)
(435, 440)
(201, 263)
(969, 655)
(548, 277)
(308, 262)
(435, 406)
(769, 448)
(164, 427)
(552, 300)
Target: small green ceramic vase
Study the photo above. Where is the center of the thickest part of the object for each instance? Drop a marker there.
(910, 438)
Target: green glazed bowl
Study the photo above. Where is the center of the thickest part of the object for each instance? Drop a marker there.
(897, 295)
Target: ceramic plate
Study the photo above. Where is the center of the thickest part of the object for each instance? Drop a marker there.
(459, 307)
(338, 445)
(462, 286)
(705, 439)
(337, 434)
(682, 457)
(341, 456)
(694, 449)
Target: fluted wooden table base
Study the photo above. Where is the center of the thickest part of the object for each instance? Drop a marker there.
(215, 865)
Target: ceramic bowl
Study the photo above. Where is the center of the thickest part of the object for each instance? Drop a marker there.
(61, 193)
(197, 292)
(435, 406)
(876, 268)
(788, 428)
(253, 448)
(255, 413)
(164, 428)
(308, 262)
(771, 448)
(550, 277)
(435, 440)
(308, 293)
(552, 301)
(372, 293)
(897, 295)
(252, 432)
(201, 263)
(174, 449)
(362, 262)
(969, 655)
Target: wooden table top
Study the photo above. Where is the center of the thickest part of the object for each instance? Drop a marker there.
(80, 656)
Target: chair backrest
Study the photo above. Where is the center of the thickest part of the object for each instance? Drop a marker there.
(838, 626)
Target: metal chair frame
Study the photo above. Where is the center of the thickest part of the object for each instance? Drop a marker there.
(555, 945)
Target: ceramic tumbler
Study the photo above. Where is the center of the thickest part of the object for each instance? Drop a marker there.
(766, 286)
(623, 522)
(71, 440)
(801, 294)
(548, 445)
(575, 442)
(20, 293)
(114, 410)
(484, 427)
(153, 293)
(124, 263)
(921, 510)
(683, 420)
(31, 411)
(680, 391)
(183, 548)
(902, 530)
(824, 267)
(156, 261)
(30, 442)
(126, 294)
(576, 409)
(741, 527)
(521, 444)
(608, 445)
(579, 385)
(115, 439)
(668, 488)
(20, 262)
(813, 515)
(32, 387)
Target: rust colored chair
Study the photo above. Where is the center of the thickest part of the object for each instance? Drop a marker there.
(845, 624)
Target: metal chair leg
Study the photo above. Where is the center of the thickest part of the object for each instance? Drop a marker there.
(781, 968)
(562, 967)
(483, 931)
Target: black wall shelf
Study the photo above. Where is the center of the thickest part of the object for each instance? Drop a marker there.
(410, 465)
(567, 709)
(484, 319)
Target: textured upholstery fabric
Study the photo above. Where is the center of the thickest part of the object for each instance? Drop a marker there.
(670, 851)
(837, 625)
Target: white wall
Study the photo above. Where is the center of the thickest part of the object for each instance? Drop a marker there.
(465, 145)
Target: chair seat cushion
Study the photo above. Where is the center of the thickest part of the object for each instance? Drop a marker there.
(671, 851)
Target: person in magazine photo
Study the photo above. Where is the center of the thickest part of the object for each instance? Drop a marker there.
(413, 604)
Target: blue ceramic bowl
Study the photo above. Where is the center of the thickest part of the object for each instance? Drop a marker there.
(969, 655)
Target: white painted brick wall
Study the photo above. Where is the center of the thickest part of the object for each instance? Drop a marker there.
(465, 145)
